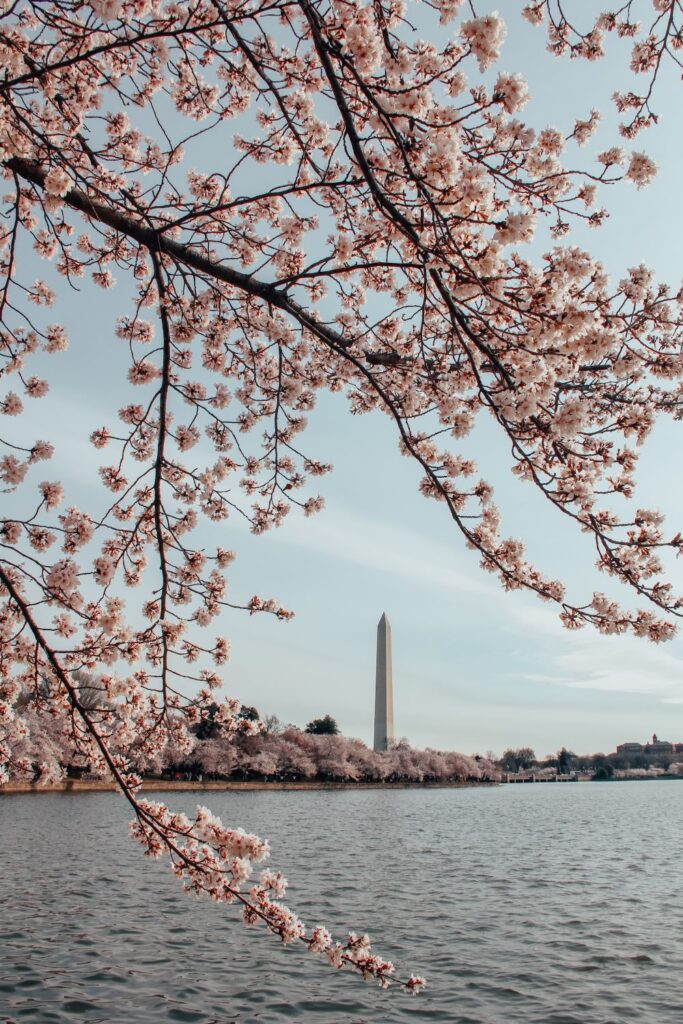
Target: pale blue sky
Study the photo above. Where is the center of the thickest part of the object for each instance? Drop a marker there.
(475, 669)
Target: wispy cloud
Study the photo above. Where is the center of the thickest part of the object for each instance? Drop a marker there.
(390, 549)
(613, 665)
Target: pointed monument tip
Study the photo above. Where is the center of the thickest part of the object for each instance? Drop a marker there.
(384, 618)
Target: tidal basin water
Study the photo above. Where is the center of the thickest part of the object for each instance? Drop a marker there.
(537, 904)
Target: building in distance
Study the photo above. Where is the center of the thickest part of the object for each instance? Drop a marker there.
(653, 746)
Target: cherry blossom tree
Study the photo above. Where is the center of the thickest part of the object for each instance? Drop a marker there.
(297, 755)
(359, 227)
(293, 761)
(215, 757)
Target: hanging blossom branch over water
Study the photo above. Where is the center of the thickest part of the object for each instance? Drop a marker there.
(360, 227)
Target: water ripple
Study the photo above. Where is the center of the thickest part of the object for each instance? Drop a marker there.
(523, 905)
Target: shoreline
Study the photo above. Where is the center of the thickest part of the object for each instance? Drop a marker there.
(255, 785)
(178, 786)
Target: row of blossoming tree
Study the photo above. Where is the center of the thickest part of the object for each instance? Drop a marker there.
(286, 755)
(294, 755)
(299, 195)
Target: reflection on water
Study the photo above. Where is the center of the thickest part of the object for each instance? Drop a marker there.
(522, 905)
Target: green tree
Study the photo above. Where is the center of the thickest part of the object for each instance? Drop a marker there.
(516, 760)
(206, 728)
(526, 757)
(323, 726)
(248, 713)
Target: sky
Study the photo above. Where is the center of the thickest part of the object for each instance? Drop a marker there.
(475, 669)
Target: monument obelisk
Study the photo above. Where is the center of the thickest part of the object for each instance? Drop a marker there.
(384, 692)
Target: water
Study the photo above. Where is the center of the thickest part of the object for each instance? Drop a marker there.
(530, 904)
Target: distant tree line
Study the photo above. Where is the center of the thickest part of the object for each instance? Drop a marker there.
(266, 748)
(600, 766)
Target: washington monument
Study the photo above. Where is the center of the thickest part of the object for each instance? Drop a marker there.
(384, 692)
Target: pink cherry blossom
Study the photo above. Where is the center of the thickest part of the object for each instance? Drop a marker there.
(641, 169)
(512, 91)
(11, 405)
(364, 228)
(57, 182)
(485, 37)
